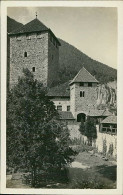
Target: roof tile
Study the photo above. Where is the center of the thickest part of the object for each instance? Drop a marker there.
(62, 90)
(96, 112)
(83, 76)
(31, 27)
(34, 25)
(110, 119)
(64, 115)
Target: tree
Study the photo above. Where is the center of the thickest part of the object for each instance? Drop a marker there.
(36, 140)
(90, 130)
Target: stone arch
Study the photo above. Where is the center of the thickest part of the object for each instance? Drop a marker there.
(80, 116)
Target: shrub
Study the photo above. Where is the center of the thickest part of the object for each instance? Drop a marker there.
(104, 147)
(111, 149)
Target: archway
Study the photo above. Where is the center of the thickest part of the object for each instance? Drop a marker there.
(81, 116)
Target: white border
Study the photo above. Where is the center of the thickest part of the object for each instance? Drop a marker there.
(4, 5)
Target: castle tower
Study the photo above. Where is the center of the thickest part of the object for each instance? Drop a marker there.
(83, 93)
(34, 46)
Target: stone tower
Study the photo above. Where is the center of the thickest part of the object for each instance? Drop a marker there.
(34, 46)
(83, 93)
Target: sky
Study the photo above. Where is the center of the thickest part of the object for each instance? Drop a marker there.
(92, 30)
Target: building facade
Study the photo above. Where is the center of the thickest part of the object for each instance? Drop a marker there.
(83, 93)
(34, 46)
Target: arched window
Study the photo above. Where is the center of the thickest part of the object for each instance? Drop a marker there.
(25, 54)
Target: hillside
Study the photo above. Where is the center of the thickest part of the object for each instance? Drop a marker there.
(71, 61)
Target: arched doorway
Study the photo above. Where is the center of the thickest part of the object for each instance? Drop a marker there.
(81, 116)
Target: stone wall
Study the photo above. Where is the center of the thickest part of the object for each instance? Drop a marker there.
(108, 139)
(72, 99)
(53, 61)
(62, 102)
(101, 138)
(74, 132)
(37, 56)
(88, 101)
(41, 54)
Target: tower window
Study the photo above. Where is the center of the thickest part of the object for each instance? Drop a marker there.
(68, 108)
(89, 84)
(28, 37)
(39, 36)
(33, 69)
(82, 84)
(25, 54)
(52, 57)
(82, 94)
(18, 38)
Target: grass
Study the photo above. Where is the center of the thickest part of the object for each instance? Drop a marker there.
(100, 175)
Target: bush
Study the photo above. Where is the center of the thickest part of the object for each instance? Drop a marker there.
(111, 149)
(94, 184)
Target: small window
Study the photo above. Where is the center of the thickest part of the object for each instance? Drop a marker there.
(106, 125)
(59, 108)
(103, 129)
(89, 84)
(39, 36)
(52, 57)
(114, 125)
(68, 108)
(33, 69)
(28, 37)
(82, 84)
(82, 94)
(25, 54)
(18, 38)
(108, 130)
(113, 131)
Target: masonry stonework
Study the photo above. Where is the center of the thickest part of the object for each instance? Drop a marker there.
(53, 61)
(89, 99)
(83, 104)
(36, 53)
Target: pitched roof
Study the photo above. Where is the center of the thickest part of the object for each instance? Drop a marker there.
(32, 26)
(62, 90)
(96, 112)
(110, 119)
(64, 115)
(106, 113)
(83, 76)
